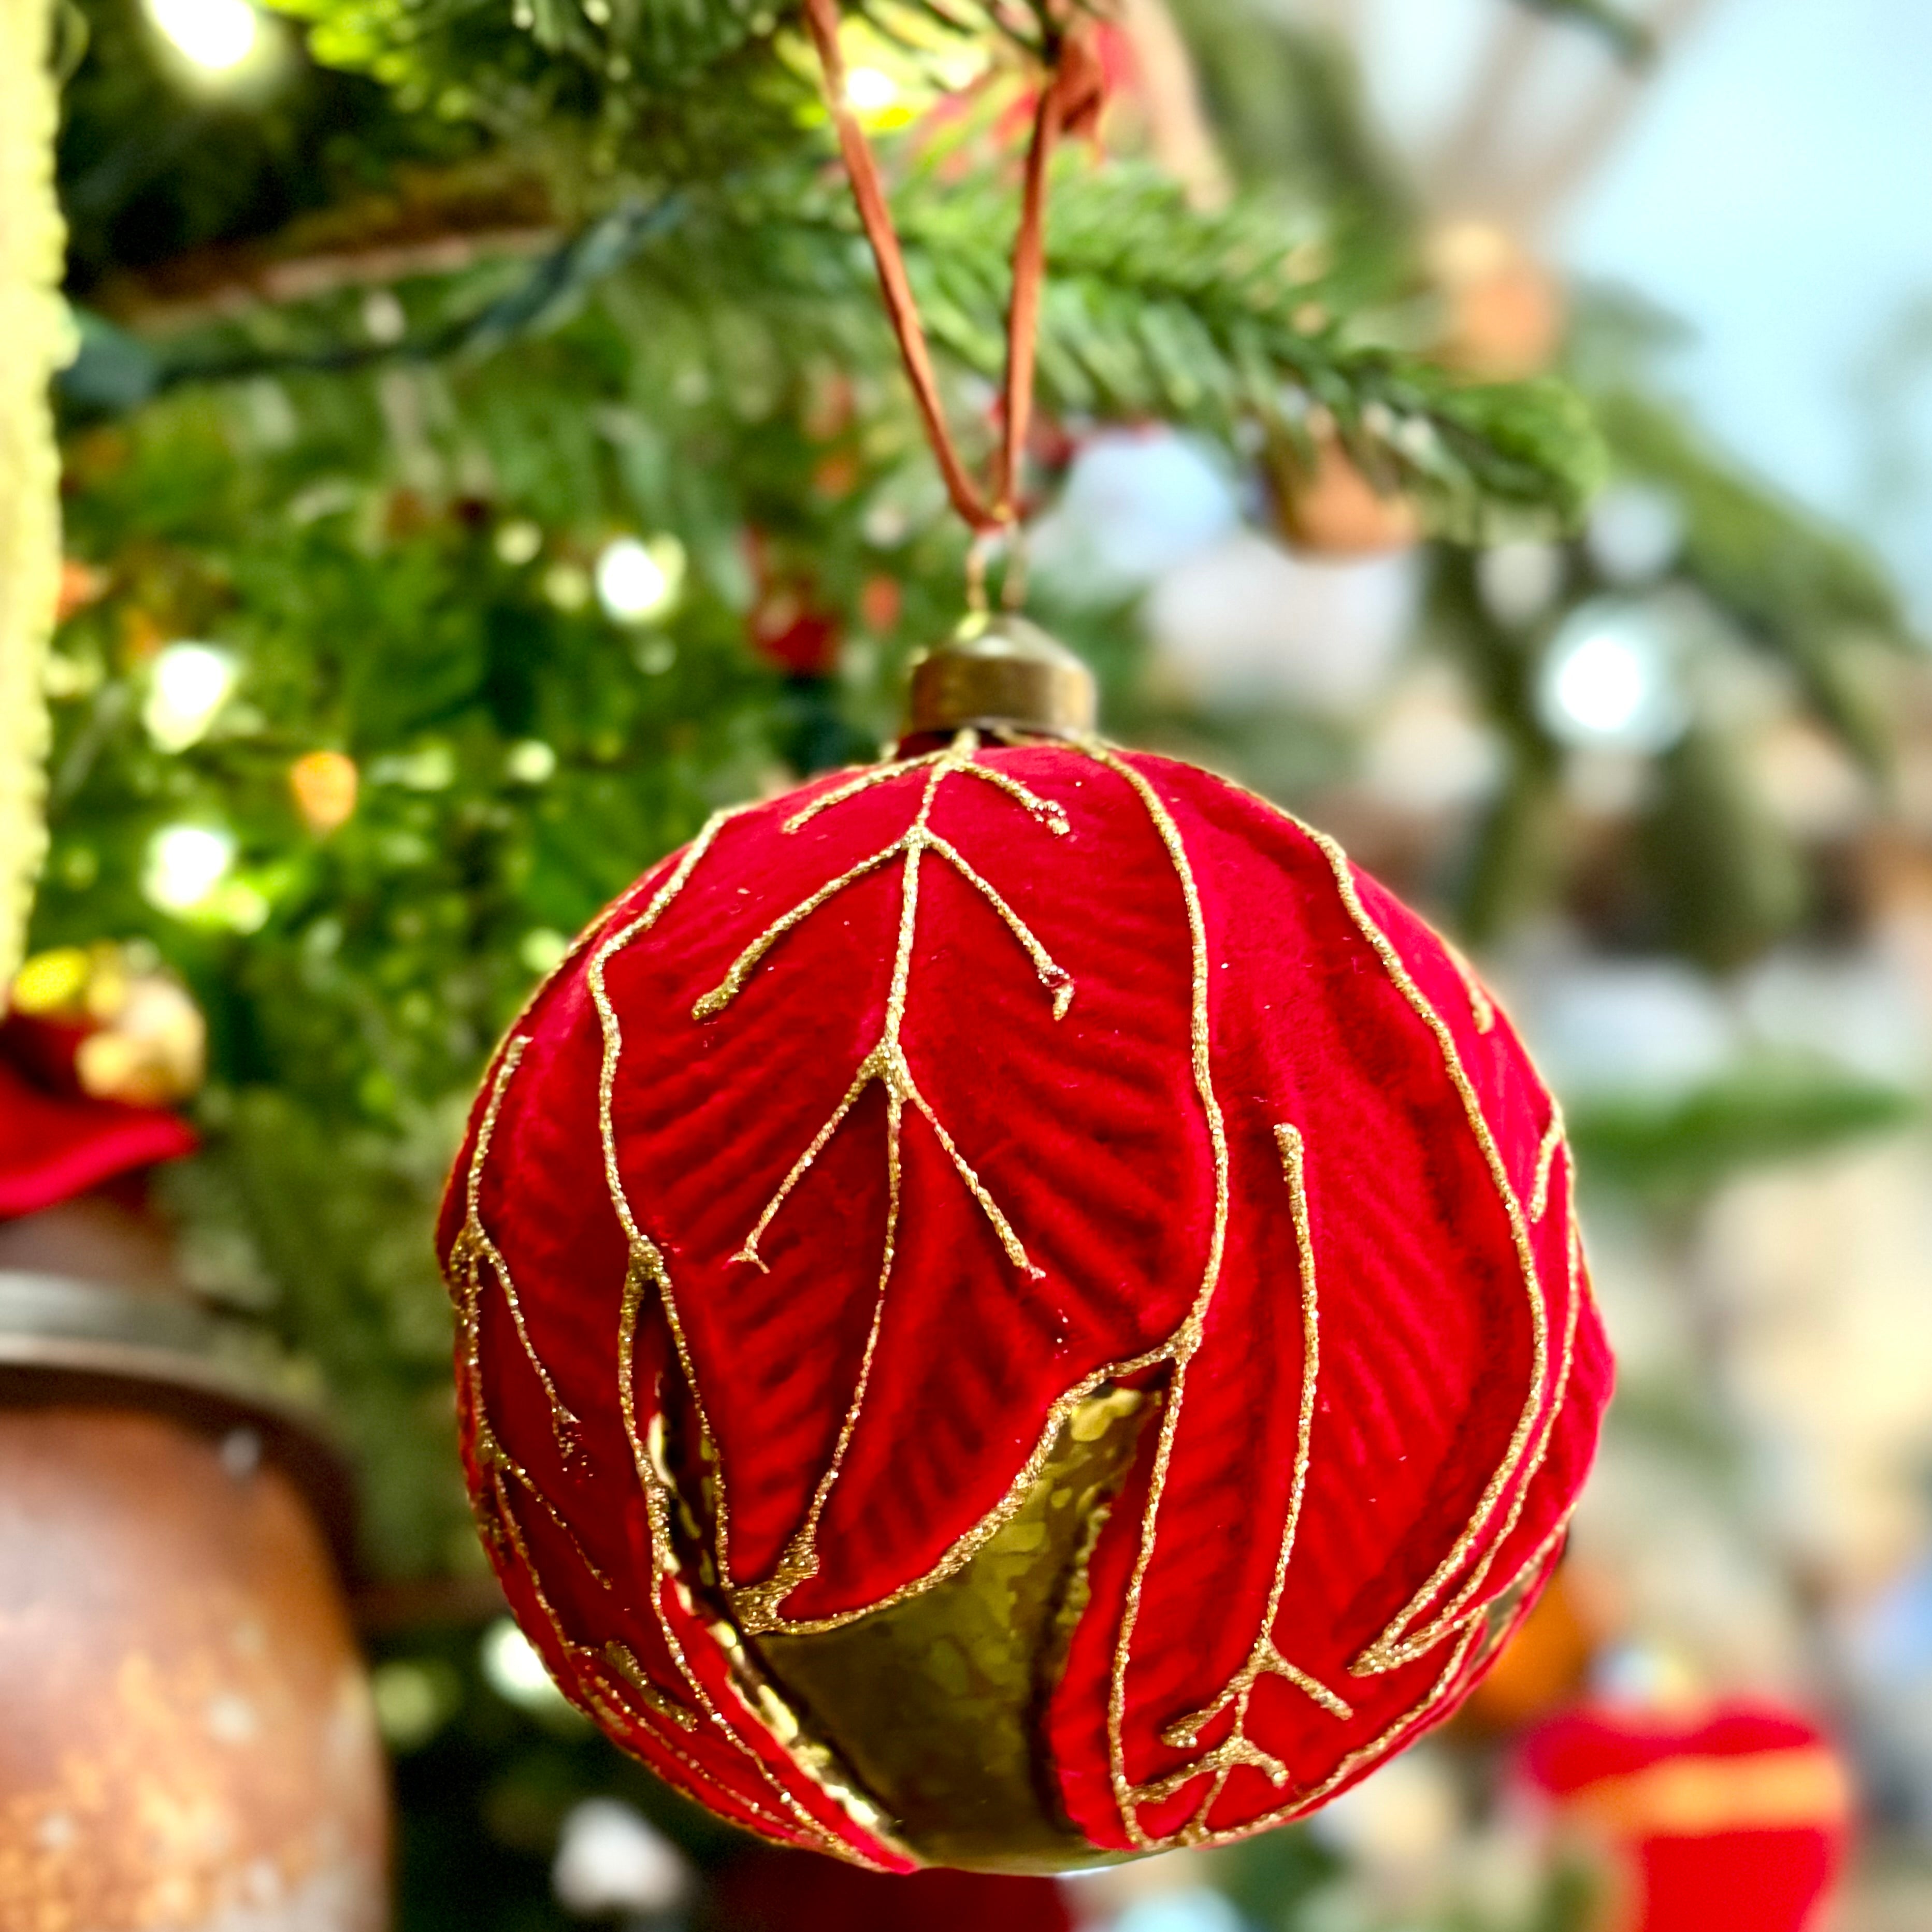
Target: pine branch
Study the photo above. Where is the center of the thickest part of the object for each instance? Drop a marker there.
(1153, 309)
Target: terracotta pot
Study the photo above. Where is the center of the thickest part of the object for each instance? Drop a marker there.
(188, 1739)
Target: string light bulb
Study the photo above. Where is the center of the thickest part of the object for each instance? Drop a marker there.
(187, 684)
(1609, 680)
(217, 36)
(638, 580)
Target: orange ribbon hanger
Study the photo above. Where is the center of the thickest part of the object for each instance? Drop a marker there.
(1068, 102)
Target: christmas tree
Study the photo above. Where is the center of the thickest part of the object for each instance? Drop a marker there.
(483, 453)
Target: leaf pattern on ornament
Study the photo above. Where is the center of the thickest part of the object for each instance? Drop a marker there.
(886, 1066)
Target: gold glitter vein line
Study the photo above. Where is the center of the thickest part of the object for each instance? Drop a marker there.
(1382, 1654)
(645, 1255)
(1052, 976)
(871, 1068)
(1546, 1159)
(474, 1250)
(1016, 1252)
(1314, 1688)
(1416, 1643)
(757, 1604)
(1049, 813)
(875, 775)
(1482, 1008)
(1265, 1658)
(1188, 1337)
(728, 988)
(1306, 1800)
(663, 1563)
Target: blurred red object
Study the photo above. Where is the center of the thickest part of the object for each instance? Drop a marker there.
(787, 627)
(798, 1891)
(1737, 1815)
(53, 1147)
(90, 1053)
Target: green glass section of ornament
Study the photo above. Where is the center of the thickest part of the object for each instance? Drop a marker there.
(933, 1702)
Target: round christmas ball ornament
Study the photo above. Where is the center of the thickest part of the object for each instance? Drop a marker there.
(1015, 1309)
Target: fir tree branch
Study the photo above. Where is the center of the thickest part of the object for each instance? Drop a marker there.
(1153, 309)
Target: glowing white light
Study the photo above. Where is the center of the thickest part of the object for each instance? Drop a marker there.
(518, 541)
(529, 761)
(217, 35)
(1518, 581)
(187, 684)
(184, 864)
(636, 581)
(870, 91)
(513, 1670)
(541, 949)
(1635, 532)
(1607, 681)
(1198, 1908)
(610, 1858)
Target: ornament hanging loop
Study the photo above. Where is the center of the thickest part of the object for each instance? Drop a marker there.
(1069, 97)
(1006, 540)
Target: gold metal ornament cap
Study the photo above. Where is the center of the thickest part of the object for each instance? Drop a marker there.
(1001, 671)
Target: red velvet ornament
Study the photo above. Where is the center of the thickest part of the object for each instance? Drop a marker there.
(1016, 1309)
(1737, 1815)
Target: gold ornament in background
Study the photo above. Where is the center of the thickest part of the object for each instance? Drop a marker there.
(34, 328)
(1506, 312)
(145, 1041)
(324, 785)
(1328, 508)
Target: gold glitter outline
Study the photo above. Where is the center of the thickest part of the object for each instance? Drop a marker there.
(1385, 1744)
(1553, 1137)
(1396, 1645)
(757, 1605)
(1187, 1338)
(588, 1687)
(647, 1264)
(1265, 1660)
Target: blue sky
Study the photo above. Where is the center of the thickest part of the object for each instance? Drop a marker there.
(1774, 191)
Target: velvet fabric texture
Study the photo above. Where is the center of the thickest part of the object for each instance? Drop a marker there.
(864, 1141)
(1737, 1815)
